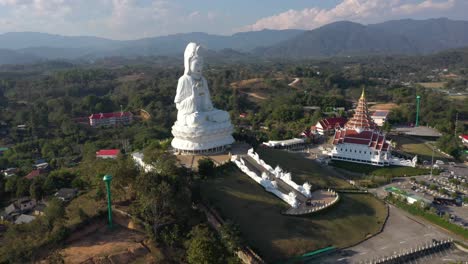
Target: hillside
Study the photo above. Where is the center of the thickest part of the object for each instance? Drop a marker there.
(345, 38)
(403, 37)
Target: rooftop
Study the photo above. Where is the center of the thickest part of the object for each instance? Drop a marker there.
(286, 142)
(109, 115)
(381, 113)
(108, 152)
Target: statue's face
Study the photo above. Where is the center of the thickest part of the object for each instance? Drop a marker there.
(196, 65)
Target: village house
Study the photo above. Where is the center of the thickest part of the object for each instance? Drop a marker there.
(66, 194)
(22, 205)
(24, 219)
(328, 126)
(35, 173)
(107, 153)
(110, 119)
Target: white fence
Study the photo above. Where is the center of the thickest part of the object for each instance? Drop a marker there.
(270, 186)
(279, 173)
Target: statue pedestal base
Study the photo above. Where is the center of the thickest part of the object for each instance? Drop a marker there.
(204, 139)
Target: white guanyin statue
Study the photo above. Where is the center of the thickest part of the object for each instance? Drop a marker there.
(199, 127)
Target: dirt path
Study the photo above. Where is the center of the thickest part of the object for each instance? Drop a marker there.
(119, 245)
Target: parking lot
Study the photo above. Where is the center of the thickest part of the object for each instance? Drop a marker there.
(401, 233)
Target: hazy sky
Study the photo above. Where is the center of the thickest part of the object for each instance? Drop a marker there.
(129, 19)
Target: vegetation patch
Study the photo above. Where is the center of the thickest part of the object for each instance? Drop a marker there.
(277, 237)
(391, 171)
(417, 147)
(433, 85)
(303, 169)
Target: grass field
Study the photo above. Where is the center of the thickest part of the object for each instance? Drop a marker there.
(433, 85)
(87, 203)
(303, 169)
(417, 147)
(391, 171)
(277, 237)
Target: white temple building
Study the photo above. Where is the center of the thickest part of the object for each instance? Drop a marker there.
(360, 140)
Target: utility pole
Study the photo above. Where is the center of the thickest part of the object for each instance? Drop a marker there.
(456, 124)
(107, 179)
(432, 162)
(418, 99)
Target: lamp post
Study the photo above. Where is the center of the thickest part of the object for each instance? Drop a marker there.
(107, 179)
(418, 98)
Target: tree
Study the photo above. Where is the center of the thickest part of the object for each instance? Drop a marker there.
(206, 167)
(22, 187)
(203, 247)
(54, 213)
(231, 236)
(36, 189)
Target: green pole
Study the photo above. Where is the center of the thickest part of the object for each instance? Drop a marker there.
(418, 98)
(107, 179)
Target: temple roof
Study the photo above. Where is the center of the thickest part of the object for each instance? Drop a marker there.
(372, 138)
(361, 119)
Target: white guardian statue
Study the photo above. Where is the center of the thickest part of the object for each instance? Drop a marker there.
(200, 128)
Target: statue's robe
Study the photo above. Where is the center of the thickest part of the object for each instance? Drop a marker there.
(192, 99)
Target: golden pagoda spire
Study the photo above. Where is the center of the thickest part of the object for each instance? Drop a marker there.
(363, 94)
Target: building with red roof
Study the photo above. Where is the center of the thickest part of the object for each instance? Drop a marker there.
(107, 153)
(464, 139)
(360, 140)
(328, 126)
(35, 173)
(110, 119)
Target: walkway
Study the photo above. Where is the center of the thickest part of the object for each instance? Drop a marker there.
(318, 198)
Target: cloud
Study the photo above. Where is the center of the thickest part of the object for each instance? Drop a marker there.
(118, 19)
(353, 10)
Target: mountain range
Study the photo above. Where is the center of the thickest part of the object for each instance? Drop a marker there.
(409, 37)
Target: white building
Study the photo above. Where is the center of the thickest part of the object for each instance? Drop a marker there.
(110, 119)
(286, 144)
(328, 126)
(360, 140)
(380, 117)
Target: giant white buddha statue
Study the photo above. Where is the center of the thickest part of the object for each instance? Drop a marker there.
(199, 127)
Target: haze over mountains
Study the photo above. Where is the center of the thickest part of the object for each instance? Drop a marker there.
(344, 38)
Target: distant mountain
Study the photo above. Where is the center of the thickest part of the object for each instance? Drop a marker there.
(49, 46)
(14, 57)
(407, 37)
(22, 40)
(393, 37)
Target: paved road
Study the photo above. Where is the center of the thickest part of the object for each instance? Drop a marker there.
(402, 232)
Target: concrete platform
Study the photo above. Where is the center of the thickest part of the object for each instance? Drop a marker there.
(191, 161)
(420, 131)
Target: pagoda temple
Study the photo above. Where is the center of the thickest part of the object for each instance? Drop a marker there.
(360, 140)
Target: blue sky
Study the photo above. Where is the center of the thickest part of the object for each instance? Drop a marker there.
(130, 19)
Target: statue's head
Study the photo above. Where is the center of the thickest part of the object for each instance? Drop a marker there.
(193, 61)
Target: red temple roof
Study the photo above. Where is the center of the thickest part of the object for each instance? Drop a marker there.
(333, 122)
(108, 152)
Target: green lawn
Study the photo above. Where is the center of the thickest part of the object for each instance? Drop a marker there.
(391, 171)
(303, 169)
(277, 237)
(417, 147)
